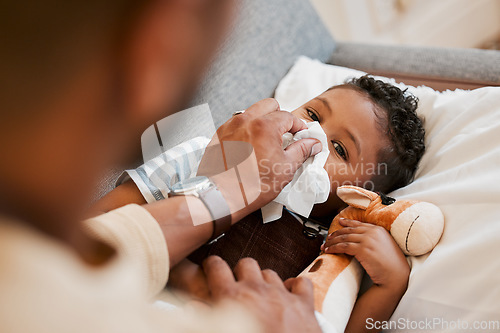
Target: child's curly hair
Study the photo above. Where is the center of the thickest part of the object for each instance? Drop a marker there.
(403, 127)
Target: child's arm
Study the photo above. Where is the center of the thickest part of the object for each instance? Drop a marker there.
(382, 260)
(124, 194)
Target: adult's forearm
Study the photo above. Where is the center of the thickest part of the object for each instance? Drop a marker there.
(125, 194)
(185, 221)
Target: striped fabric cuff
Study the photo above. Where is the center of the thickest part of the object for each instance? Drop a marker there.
(155, 177)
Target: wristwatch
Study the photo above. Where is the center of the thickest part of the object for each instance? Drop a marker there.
(204, 189)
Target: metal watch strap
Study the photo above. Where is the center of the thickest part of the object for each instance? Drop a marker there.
(219, 210)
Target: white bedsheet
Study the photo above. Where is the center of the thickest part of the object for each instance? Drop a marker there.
(456, 286)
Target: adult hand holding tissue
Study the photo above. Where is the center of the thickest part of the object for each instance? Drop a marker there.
(310, 184)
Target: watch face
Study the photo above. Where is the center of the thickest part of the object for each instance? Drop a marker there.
(189, 185)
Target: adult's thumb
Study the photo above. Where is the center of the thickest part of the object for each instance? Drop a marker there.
(299, 151)
(300, 286)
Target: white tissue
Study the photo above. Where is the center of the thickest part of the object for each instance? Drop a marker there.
(310, 184)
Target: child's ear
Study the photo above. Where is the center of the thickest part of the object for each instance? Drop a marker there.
(356, 197)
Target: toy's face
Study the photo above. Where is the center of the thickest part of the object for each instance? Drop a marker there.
(418, 228)
(385, 213)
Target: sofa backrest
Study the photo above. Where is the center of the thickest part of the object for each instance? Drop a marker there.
(267, 38)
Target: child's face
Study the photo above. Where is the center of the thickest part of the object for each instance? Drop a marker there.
(349, 120)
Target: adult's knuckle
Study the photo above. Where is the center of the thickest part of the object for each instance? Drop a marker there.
(306, 284)
(245, 262)
(268, 271)
(270, 102)
(284, 115)
(238, 120)
(249, 292)
(212, 261)
(259, 124)
(242, 264)
(305, 281)
(258, 286)
(226, 291)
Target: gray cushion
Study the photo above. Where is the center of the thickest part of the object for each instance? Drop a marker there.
(269, 35)
(267, 38)
(451, 63)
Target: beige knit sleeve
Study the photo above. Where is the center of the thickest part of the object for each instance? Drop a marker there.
(137, 238)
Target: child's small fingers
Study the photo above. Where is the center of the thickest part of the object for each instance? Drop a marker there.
(344, 248)
(350, 223)
(350, 238)
(347, 230)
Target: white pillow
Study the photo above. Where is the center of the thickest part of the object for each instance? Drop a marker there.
(458, 284)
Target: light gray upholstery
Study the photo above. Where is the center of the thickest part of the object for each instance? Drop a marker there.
(271, 34)
(268, 37)
(450, 63)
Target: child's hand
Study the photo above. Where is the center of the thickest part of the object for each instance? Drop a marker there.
(375, 250)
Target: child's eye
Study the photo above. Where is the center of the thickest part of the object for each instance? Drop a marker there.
(339, 149)
(312, 115)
